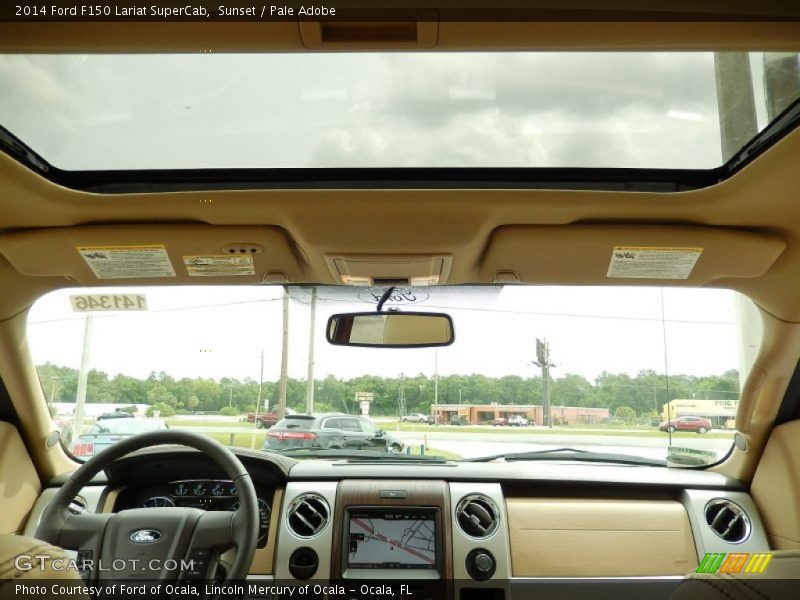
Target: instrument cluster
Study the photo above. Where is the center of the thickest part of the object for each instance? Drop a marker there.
(208, 494)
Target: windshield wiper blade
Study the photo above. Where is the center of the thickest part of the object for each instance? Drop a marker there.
(577, 455)
(355, 454)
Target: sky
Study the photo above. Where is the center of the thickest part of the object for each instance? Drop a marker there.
(220, 332)
(642, 110)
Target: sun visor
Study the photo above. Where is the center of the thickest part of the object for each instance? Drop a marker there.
(618, 255)
(163, 254)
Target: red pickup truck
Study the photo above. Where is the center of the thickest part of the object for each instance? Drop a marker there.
(263, 420)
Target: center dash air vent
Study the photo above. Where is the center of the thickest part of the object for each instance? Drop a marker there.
(477, 516)
(728, 520)
(308, 515)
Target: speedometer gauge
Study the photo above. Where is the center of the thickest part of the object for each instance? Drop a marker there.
(264, 512)
(158, 502)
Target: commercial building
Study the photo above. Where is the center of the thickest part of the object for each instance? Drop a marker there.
(721, 413)
(481, 414)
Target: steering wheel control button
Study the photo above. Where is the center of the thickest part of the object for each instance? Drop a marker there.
(198, 561)
(480, 564)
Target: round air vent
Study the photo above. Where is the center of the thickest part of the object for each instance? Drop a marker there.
(308, 515)
(477, 516)
(728, 520)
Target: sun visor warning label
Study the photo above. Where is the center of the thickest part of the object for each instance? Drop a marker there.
(219, 265)
(652, 262)
(127, 262)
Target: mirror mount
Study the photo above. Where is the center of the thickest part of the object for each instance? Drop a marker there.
(386, 295)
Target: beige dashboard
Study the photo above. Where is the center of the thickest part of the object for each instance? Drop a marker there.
(570, 537)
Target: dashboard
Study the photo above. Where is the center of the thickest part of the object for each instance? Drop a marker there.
(457, 530)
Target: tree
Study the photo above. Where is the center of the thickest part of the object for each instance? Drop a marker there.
(625, 412)
(572, 390)
(163, 410)
(192, 403)
(159, 394)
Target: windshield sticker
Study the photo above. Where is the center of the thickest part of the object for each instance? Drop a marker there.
(105, 302)
(219, 265)
(399, 295)
(649, 262)
(127, 262)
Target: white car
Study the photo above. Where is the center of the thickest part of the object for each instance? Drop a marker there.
(414, 418)
(519, 420)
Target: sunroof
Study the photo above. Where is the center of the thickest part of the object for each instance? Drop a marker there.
(523, 109)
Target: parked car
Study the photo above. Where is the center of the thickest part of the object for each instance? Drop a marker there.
(329, 431)
(263, 420)
(500, 422)
(519, 421)
(433, 420)
(117, 414)
(414, 418)
(686, 423)
(104, 433)
(457, 420)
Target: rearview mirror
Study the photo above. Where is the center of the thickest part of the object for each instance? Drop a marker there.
(391, 330)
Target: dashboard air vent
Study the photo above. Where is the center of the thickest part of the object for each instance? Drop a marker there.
(308, 515)
(477, 516)
(728, 520)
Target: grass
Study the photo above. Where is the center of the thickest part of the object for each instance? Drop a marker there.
(242, 440)
(176, 421)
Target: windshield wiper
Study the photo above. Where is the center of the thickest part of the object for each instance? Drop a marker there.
(355, 454)
(577, 455)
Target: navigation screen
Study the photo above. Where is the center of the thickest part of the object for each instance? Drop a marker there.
(392, 541)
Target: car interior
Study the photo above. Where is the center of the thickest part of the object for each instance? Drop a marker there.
(407, 205)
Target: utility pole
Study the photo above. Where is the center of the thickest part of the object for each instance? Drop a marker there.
(436, 376)
(781, 81)
(284, 356)
(310, 376)
(735, 100)
(83, 378)
(230, 395)
(53, 379)
(401, 399)
(258, 400)
(543, 361)
(655, 392)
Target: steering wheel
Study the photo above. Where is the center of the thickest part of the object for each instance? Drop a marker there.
(145, 544)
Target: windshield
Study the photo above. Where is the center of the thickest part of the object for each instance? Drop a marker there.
(645, 372)
(647, 110)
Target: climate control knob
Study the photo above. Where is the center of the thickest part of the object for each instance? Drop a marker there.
(480, 564)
